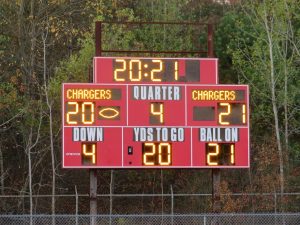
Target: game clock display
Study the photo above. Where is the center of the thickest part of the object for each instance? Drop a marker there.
(155, 70)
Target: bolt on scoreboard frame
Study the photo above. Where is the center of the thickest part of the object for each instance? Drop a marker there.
(155, 113)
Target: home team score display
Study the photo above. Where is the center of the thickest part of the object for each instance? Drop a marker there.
(167, 118)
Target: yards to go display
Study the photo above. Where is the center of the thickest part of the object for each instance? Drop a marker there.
(157, 154)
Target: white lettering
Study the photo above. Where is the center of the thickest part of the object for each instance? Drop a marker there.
(208, 135)
(99, 134)
(136, 92)
(165, 134)
(158, 133)
(91, 133)
(150, 134)
(87, 134)
(176, 93)
(143, 93)
(75, 134)
(180, 134)
(157, 93)
(136, 133)
(82, 134)
(234, 134)
(219, 134)
(202, 134)
(142, 134)
(164, 89)
(173, 134)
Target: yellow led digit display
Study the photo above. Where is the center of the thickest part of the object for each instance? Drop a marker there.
(89, 153)
(153, 71)
(176, 70)
(80, 113)
(231, 114)
(215, 152)
(157, 154)
(73, 112)
(226, 113)
(244, 113)
(148, 159)
(159, 112)
(131, 74)
(232, 161)
(116, 77)
(164, 149)
(220, 154)
(91, 116)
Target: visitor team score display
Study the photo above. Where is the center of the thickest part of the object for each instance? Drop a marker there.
(155, 113)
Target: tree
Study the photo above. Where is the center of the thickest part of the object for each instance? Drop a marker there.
(263, 53)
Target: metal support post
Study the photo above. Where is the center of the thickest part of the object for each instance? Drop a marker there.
(93, 195)
(216, 177)
(210, 47)
(98, 38)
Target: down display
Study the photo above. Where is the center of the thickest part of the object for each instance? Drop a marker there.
(132, 125)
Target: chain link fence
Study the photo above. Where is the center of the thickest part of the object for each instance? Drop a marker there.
(117, 204)
(192, 219)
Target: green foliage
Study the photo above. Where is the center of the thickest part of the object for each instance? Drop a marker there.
(75, 68)
(8, 96)
(245, 47)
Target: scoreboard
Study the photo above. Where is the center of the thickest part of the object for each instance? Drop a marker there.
(155, 113)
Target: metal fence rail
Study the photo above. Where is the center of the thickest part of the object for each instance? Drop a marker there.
(200, 219)
(114, 204)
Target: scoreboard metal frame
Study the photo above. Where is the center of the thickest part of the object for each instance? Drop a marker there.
(155, 113)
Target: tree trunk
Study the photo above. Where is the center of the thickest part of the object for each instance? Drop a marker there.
(30, 174)
(49, 105)
(286, 121)
(20, 37)
(32, 47)
(1, 172)
(289, 36)
(274, 105)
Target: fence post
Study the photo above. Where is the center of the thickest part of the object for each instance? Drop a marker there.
(216, 177)
(93, 195)
(172, 206)
(76, 202)
(111, 195)
(275, 202)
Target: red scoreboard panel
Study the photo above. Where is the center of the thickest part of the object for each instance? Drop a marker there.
(155, 70)
(154, 124)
